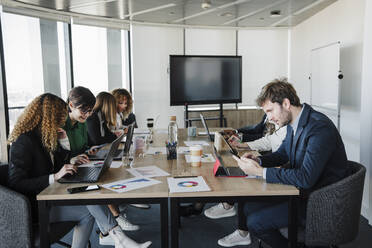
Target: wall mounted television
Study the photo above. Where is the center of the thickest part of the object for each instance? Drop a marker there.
(205, 79)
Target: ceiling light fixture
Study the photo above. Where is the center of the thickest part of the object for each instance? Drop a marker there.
(275, 13)
(204, 12)
(206, 4)
(255, 12)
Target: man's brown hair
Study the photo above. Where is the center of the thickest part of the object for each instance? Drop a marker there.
(276, 91)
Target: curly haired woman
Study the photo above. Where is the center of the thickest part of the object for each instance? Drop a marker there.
(33, 167)
(124, 101)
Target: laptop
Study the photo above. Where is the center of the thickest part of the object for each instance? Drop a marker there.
(220, 170)
(232, 149)
(129, 139)
(92, 174)
(102, 153)
(211, 136)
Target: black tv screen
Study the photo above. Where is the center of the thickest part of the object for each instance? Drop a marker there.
(205, 79)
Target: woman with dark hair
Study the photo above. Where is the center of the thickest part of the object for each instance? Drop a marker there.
(73, 137)
(34, 165)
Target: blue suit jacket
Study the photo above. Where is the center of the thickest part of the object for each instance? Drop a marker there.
(316, 155)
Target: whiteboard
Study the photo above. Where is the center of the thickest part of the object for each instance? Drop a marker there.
(325, 82)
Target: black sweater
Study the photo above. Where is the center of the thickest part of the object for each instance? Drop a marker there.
(98, 132)
(30, 166)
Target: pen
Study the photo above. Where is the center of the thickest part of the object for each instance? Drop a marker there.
(184, 176)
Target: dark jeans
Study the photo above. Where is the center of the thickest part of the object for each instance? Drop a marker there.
(264, 219)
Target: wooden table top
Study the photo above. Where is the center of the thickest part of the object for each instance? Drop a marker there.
(220, 186)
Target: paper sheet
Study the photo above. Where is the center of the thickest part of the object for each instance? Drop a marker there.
(141, 131)
(114, 164)
(206, 158)
(196, 142)
(187, 184)
(92, 164)
(130, 184)
(162, 150)
(162, 131)
(156, 150)
(148, 171)
(183, 150)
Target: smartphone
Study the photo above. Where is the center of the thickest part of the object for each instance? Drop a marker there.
(83, 189)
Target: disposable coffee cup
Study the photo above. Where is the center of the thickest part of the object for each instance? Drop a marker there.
(196, 153)
(191, 131)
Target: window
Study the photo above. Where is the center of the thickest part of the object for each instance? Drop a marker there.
(34, 60)
(23, 62)
(89, 46)
(100, 58)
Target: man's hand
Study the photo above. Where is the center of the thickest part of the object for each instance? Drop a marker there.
(249, 166)
(237, 143)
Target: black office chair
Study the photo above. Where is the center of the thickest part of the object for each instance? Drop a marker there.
(333, 212)
(16, 227)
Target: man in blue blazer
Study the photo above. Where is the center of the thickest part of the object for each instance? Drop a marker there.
(315, 152)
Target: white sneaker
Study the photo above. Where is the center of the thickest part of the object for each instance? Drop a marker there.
(234, 239)
(106, 240)
(143, 206)
(125, 224)
(218, 211)
(122, 241)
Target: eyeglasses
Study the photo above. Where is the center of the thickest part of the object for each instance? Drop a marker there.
(86, 112)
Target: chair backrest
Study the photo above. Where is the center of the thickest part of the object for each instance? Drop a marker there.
(333, 212)
(15, 219)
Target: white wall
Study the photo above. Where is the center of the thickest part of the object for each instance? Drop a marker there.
(210, 42)
(265, 57)
(366, 114)
(342, 21)
(151, 47)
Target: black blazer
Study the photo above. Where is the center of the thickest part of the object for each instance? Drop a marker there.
(98, 132)
(30, 166)
(129, 120)
(251, 133)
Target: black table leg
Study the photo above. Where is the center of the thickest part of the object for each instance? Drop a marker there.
(44, 224)
(164, 223)
(174, 203)
(292, 221)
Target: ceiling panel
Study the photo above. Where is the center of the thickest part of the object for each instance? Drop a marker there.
(221, 13)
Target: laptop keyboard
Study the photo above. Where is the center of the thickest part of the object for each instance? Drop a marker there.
(85, 174)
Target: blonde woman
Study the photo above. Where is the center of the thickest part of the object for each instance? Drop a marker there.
(101, 129)
(102, 123)
(33, 167)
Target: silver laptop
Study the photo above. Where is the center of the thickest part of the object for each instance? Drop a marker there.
(211, 136)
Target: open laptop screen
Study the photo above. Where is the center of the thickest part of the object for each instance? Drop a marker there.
(128, 141)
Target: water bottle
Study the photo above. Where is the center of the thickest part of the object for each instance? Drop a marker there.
(171, 144)
(172, 130)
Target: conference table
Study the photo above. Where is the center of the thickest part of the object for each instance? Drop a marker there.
(222, 189)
